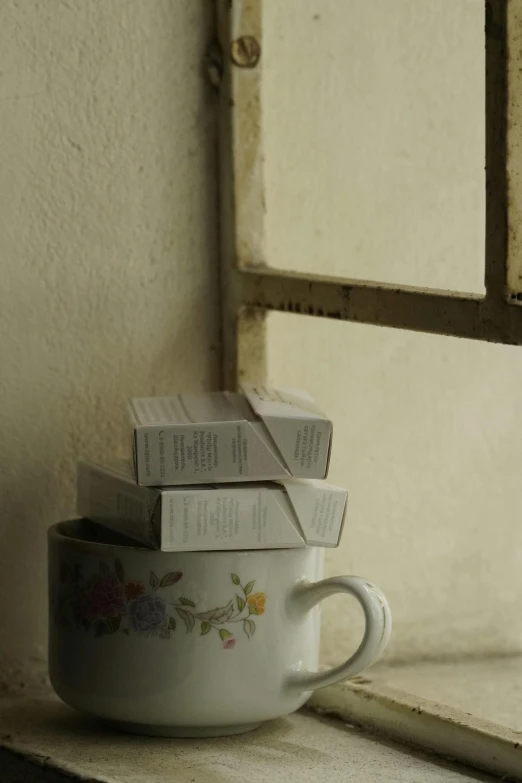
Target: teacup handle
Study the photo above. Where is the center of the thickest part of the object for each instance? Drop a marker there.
(378, 623)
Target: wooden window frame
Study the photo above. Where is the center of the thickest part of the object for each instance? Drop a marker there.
(251, 288)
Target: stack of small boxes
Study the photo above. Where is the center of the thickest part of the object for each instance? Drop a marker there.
(221, 471)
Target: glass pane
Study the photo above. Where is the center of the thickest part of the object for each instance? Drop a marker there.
(373, 122)
(426, 441)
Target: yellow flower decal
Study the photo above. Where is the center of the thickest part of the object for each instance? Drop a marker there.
(257, 602)
(133, 590)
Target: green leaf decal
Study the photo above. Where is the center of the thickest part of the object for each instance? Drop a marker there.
(219, 615)
(249, 586)
(172, 624)
(235, 579)
(104, 568)
(118, 567)
(240, 603)
(171, 578)
(187, 617)
(126, 631)
(77, 613)
(113, 623)
(225, 634)
(99, 628)
(205, 628)
(187, 602)
(164, 633)
(249, 628)
(153, 580)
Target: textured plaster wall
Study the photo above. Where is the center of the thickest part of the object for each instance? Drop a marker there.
(374, 168)
(107, 252)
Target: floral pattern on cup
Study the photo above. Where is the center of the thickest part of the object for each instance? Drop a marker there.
(108, 602)
(102, 597)
(147, 614)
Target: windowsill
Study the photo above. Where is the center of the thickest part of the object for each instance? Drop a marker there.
(468, 710)
(43, 740)
(489, 689)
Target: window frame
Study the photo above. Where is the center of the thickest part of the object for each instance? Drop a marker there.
(250, 289)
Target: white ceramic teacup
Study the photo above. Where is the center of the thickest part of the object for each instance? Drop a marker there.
(192, 643)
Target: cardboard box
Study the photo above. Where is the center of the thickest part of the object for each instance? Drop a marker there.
(266, 515)
(260, 434)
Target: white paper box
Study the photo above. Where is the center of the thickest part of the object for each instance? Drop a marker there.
(260, 434)
(265, 515)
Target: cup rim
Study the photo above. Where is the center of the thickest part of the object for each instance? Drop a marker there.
(55, 533)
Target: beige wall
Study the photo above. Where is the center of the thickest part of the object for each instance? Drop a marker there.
(374, 166)
(107, 248)
(374, 155)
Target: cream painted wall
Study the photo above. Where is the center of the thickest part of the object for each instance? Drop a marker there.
(374, 168)
(374, 162)
(107, 246)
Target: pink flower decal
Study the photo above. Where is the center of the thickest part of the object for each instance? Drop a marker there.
(103, 597)
(228, 639)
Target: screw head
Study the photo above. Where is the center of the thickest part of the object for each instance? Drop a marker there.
(245, 51)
